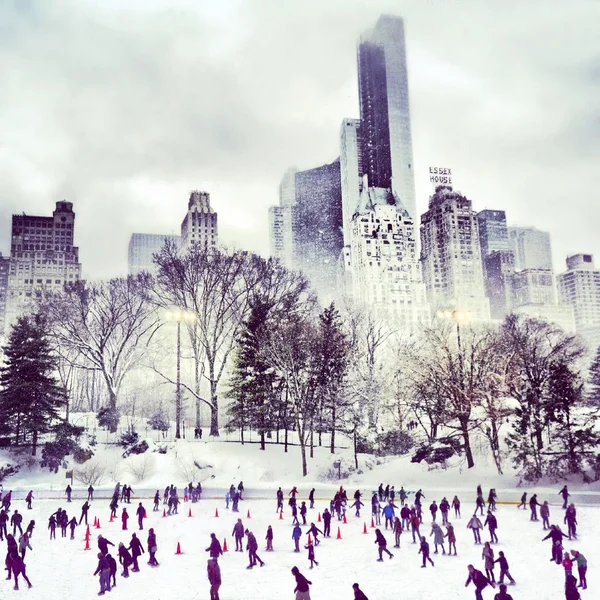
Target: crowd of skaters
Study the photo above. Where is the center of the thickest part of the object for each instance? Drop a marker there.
(383, 504)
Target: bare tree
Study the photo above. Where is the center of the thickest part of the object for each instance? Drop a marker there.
(103, 326)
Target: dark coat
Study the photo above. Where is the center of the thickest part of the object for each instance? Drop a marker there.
(215, 549)
(136, 546)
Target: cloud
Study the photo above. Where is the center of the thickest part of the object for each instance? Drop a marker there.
(124, 110)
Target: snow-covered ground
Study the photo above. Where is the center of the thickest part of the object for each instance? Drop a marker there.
(63, 569)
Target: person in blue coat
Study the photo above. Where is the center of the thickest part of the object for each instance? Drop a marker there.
(296, 535)
(389, 514)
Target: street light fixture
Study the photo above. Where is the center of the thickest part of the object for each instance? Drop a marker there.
(179, 315)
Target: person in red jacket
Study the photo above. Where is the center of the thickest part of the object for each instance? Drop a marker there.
(567, 564)
(124, 519)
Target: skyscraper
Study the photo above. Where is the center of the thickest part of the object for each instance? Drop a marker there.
(531, 247)
(579, 287)
(42, 256)
(493, 233)
(451, 255)
(306, 228)
(143, 247)
(199, 226)
(351, 171)
(498, 269)
(4, 269)
(385, 128)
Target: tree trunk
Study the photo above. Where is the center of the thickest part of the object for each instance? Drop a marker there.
(242, 435)
(214, 409)
(285, 438)
(302, 449)
(333, 419)
(34, 442)
(354, 443)
(262, 440)
(464, 429)
(312, 441)
(197, 389)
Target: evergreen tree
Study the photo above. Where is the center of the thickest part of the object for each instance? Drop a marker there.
(572, 433)
(593, 395)
(30, 394)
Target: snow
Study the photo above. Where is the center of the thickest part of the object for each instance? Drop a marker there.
(61, 568)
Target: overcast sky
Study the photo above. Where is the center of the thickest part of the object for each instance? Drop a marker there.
(124, 111)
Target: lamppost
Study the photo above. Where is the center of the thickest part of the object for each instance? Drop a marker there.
(178, 316)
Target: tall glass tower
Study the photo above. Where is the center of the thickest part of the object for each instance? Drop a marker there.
(386, 136)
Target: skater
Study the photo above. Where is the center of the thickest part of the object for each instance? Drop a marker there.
(581, 562)
(240, 489)
(252, 547)
(17, 566)
(444, 508)
(136, 548)
(451, 535)
(456, 506)
(90, 491)
(570, 520)
(84, 512)
(418, 497)
(29, 530)
(24, 544)
(238, 533)
(492, 524)
(565, 496)
(279, 500)
(380, 492)
(488, 560)
(156, 501)
(293, 492)
(152, 548)
(492, 499)
(381, 545)
(113, 507)
(358, 593)
(523, 502)
(533, 504)
(103, 569)
(326, 523)
(16, 521)
(433, 508)
(301, 589)
(11, 548)
(112, 563)
(403, 495)
(545, 514)
(405, 515)
(504, 572)
(567, 564)
(475, 524)
(311, 553)
(124, 519)
(571, 591)
(125, 559)
(415, 522)
(397, 532)
(214, 548)
(72, 525)
(303, 511)
(311, 498)
(269, 538)
(314, 530)
(375, 509)
(29, 499)
(52, 527)
(388, 513)
(141, 513)
(438, 537)
(103, 544)
(357, 504)
(480, 504)
(479, 580)
(424, 551)
(296, 535)
(214, 577)
(68, 492)
(3, 521)
(503, 594)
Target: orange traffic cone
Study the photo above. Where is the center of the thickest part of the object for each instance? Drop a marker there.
(372, 522)
(97, 523)
(87, 543)
(365, 527)
(339, 534)
(319, 518)
(216, 512)
(145, 514)
(309, 540)
(111, 518)
(248, 515)
(178, 548)
(225, 545)
(344, 520)
(185, 498)
(164, 512)
(190, 512)
(281, 515)
(87, 533)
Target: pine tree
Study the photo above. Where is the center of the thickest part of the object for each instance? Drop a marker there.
(593, 395)
(572, 425)
(30, 395)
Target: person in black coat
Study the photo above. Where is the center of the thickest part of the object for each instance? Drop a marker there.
(238, 533)
(11, 548)
(16, 521)
(358, 593)
(125, 559)
(3, 521)
(252, 547)
(136, 551)
(301, 589)
(424, 550)
(156, 501)
(533, 504)
(480, 581)
(72, 525)
(152, 548)
(84, 512)
(214, 577)
(382, 545)
(112, 563)
(326, 523)
(103, 570)
(214, 548)
(311, 498)
(140, 512)
(103, 545)
(492, 524)
(17, 566)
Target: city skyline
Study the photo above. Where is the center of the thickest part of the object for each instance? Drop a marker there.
(122, 128)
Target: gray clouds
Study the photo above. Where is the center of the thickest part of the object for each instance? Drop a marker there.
(123, 111)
